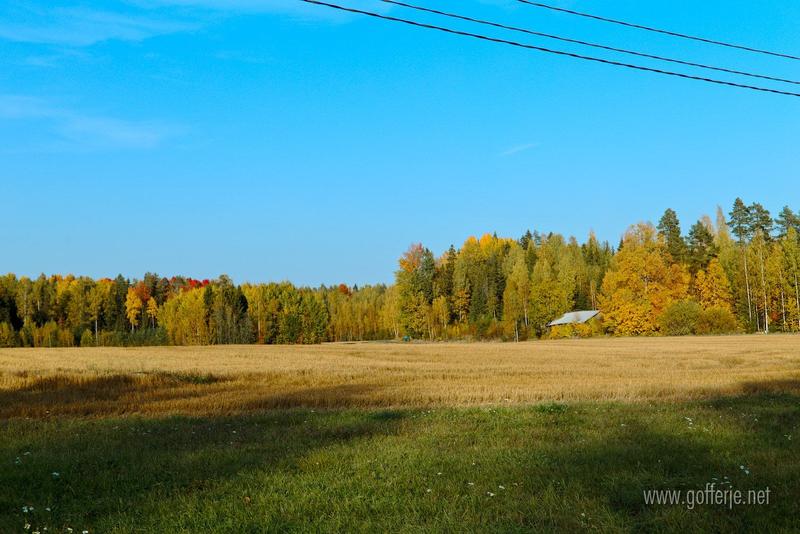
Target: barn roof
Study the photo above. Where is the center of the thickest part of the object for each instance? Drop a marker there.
(577, 317)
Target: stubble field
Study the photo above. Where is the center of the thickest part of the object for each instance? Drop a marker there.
(225, 380)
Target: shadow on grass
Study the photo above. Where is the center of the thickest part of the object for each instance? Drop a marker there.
(106, 468)
(777, 385)
(90, 394)
(594, 459)
(163, 393)
(327, 397)
(742, 442)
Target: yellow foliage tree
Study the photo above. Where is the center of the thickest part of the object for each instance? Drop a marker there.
(516, 296)
(548, 298)
(641, 283)
(390, 313)
(133, 308)
(712, 287)
(184, 318)
(440, 312)
(152, 311)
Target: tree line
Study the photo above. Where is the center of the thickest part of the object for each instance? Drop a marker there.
(739, 272)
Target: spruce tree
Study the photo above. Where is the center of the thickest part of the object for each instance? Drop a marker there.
(669, 227)
(701, 246)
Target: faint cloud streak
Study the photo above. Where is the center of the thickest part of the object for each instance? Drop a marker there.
(293, 8)
(137, 20)
(518, 149)
(80, 131)
(80, 27)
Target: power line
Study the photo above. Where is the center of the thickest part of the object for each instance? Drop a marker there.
(658, 30)
(548, 50)
(586, 43)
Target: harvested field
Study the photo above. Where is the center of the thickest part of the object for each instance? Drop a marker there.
(226, 380)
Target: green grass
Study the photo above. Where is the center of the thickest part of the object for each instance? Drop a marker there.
(561, 468)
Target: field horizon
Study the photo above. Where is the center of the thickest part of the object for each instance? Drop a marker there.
(235, 379)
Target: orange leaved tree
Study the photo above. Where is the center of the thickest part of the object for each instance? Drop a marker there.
(641, 283)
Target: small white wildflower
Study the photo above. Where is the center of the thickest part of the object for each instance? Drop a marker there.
(501, 487)
(56, 474)
(490, 494)
(24, 509)
(27, 453)
(471, 483)
(428, 490)
(26, 526)
(18, 460)
(439, 473)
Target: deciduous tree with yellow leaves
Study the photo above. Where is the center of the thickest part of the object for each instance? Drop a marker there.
(641, 283)
(133, 308)
(712, 287)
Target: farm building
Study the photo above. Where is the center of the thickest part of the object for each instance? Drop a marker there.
(576, 317)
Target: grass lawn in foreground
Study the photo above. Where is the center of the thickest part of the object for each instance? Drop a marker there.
(549, 467)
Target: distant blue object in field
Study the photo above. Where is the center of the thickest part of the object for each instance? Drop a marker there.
(578, 317)
(406, 338)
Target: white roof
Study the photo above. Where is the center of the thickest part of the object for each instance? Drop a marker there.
(577, 317)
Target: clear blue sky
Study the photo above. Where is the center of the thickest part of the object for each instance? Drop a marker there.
(272, 140)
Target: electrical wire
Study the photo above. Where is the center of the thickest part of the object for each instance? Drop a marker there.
(548, 50)
(586, 43)
(658, 30)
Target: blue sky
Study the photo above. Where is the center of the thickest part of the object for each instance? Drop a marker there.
(271, 140)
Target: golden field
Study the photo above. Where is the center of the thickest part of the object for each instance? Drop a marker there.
(217, 380)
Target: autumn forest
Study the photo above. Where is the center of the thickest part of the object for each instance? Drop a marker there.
(739, 272)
